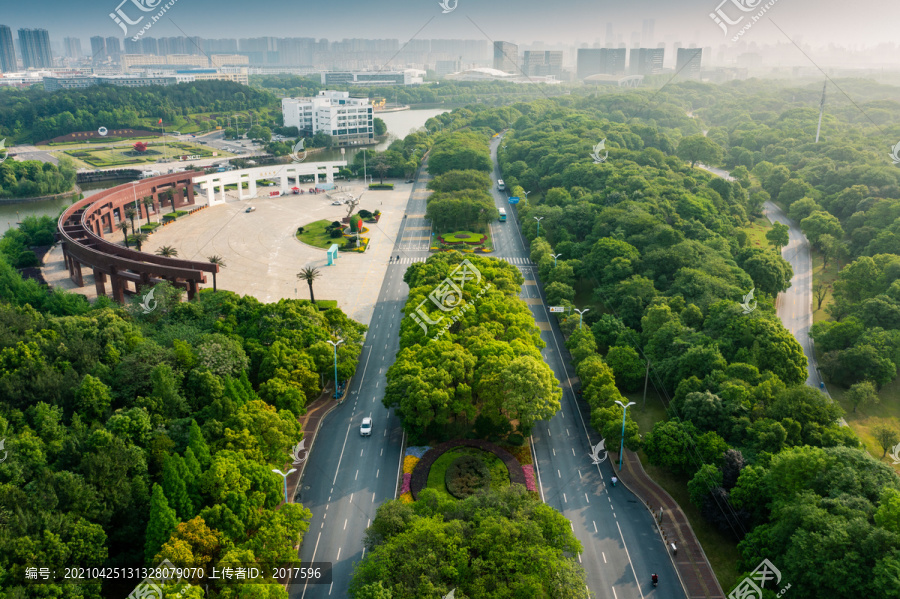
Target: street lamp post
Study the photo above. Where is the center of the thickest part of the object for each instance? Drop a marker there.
(555, 256)
(526, 197)
(622, 447)
(538, 219)
(581, 315)
(335, 345)
(284, 475)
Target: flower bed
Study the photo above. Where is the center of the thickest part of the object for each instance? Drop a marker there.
(528, 470)
(417, 450)
(419, 477)
(409, 463)
(466, 476)
(404, 488)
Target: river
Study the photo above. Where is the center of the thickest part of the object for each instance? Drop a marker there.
(399, 125)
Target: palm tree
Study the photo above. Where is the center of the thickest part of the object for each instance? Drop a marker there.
(139, 240)
(130, 214)
(170, 195)
(147, 203)
(309, 275)
(167, 251)
(123, 227)
(218, 261)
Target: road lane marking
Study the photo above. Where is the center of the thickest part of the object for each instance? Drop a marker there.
(339, 554)
(566, 501)
(586, 498)
(568, 434)
(573, 451)
(376, 472)
(628, 555)
(357, 475)
(373, 497)
(345, 523)
(558, 474)
(382, 452)
(579, 473)
(361, 452)
(554, 452)
(594, 522)
(351, 497)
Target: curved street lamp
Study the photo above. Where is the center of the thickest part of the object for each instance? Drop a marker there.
(538, 219)
(335, 345)
(622, 446)
(581, 315)
(284, 475)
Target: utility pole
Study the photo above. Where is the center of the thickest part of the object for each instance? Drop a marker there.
(646, 378)
(821, 110)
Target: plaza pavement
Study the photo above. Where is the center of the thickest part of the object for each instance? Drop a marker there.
(262, 254)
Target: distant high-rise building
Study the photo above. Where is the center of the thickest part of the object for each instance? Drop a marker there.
(645, 61)
(35, 47)
(98, 48)
(647, 31)
(506, 57)
(600, 61)
(150, 45)
(132, 46)
(543, 63)
(7, 51)
(73, 47)
(113, 48)
(609, 33)
(687, 62)
(445, 67)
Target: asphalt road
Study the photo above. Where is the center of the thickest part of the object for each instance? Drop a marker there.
(621, 546)
(349, 476)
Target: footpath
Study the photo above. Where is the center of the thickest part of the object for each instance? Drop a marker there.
(697, 576)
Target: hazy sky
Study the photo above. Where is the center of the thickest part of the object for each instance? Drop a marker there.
(854, 23)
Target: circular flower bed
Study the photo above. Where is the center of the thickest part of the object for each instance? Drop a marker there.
(466, 476)
(419, 478)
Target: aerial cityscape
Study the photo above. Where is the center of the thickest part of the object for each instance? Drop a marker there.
(446, 300)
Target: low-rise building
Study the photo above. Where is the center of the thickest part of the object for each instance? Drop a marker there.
(349, 121)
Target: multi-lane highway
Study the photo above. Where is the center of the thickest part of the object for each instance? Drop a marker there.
(348, 476)
(621, 546)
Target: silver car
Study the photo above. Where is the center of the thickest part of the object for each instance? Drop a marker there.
(365, 429)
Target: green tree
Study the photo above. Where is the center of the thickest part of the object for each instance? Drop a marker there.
(627, 366)
(123, 227)
(707, 478)
(778, 236)
(887, 436)
(167, 251)
(175, 488)
(861, 394)
(821, 223)
(92, 398)
(697, 148)
(218, 261)
(197, 444)
(162, 523)
(309, 275)
(530, 391)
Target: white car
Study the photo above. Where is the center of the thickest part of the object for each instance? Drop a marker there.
(336, 203)
(365, 429)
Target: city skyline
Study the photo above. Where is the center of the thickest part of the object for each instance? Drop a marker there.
(523, 22)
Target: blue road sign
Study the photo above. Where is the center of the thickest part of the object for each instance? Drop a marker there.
(514, 200)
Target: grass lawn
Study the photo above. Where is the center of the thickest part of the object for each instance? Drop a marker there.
(826, 275)
(756, 232)
(314, 234)
(124, 155)
(499, 473)
(866, 417)
(720, 549)
(486, 241)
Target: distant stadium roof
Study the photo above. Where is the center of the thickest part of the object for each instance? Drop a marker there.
(481, 73)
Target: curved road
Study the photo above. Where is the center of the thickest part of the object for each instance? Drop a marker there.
(794, 306)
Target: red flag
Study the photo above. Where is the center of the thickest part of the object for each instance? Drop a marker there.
(160, 122)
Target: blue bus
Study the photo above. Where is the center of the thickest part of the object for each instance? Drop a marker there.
(502, 215)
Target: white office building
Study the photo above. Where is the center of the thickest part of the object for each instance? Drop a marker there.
(349, 121)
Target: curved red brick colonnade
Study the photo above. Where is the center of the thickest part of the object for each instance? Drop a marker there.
(419, 478)
(83, 225)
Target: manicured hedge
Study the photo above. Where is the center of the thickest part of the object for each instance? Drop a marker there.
(419, 478)
(381, 186)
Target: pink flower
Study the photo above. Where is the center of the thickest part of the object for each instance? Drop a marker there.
(404, 488)
(528, 469)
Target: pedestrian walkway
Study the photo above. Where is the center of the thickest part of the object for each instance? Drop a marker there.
(697, 576)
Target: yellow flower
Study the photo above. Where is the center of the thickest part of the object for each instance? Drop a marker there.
(409, 463)
(406, 498)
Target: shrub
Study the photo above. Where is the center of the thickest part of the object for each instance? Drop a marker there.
(381, 186)
(466, 476)
(299, 230)
(528, 469)
(515, 439)
(337, 232)
(27, 259)
(365, 214)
